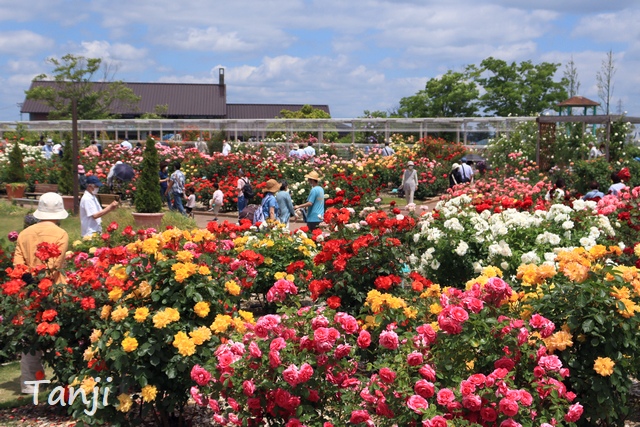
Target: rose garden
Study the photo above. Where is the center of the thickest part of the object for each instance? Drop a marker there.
(496, 308)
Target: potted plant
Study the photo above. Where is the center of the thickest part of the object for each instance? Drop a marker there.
(16, 182)
(147, 199)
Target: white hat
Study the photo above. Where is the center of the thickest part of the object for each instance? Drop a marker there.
(50, 206)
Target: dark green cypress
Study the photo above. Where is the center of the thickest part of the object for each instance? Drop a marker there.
(147, 195)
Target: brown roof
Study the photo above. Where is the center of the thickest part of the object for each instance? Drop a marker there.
(264, 111)
(184, 99)
(578, 101)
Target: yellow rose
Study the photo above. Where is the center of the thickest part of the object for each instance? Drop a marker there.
(202, 309)
(129, 344)
(603, 366)
(95, 335)
(185, 345)
(115, 294)
(125, 402)
(119, 313)
(149, 393)
(233, 288)
(106, 311)
(141, 314)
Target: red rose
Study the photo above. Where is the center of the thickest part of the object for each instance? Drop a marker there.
(387, 375)
(508, 407)
(364, 339)
(424, 388)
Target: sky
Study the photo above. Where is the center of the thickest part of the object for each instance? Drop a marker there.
(351, 55)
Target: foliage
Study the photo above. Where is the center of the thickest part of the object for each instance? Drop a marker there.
(73, 76)
(454, 94)
(595, 302)
(147, 198)
(514, 89)
(15, 169)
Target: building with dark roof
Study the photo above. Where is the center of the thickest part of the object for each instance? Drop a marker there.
(184, 101)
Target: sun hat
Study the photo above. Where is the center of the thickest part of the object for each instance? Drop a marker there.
(272, 186)
(50, 206)
(455, 166)
(464, 159)
(94, 180)
(80, 169)
(410, 163)
(314, 176)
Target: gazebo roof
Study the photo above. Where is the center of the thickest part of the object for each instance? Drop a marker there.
(578, 101)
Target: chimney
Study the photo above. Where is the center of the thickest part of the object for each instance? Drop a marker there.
(221, 76)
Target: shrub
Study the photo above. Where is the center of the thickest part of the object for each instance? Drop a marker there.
(15, 170)
(147, 198)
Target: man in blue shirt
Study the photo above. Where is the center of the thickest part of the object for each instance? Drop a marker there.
(315, 201)
(176, 187)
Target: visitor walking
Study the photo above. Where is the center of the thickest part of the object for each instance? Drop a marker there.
(387, 150)
(409, 182)
(226, 148)
(164, 184)
(176, 188)
(466, 171)
(315, 201)
(191, 201)
(217, 200)
(309, 151)
(285, 204)
(50, 212)
(242, 199)
(269, 205)
(91, 211)
(93, 149)
(454, 175)
(82, 178)
(617, 184)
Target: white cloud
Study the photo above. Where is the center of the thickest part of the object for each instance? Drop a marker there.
(23, 43)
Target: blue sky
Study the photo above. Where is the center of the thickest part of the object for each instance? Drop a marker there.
(353, 56)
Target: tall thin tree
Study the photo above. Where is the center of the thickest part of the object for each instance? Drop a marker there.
(571, 75)
(604, 79)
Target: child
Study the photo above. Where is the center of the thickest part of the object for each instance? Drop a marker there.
(191, 201)
(217, 201)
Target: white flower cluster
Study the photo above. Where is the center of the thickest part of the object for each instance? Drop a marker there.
(29, 153)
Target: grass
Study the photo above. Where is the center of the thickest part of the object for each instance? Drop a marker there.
(10, 395)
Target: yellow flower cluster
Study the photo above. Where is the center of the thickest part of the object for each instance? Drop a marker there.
(143, 290)
(282, 275)
(125, 402)
(87, 384)
(636, 250)
(88, 354)
(115, 294)
(200, 335)
(166, 316)
(95, 335)
(185, 345)
(184, 270)
(141, 314)
(574, 264)
(150, 245)
(119, 272)
(129, 344)
(232, 288)
(202, 309)
(603, 366)
(149, 393)
(119, 313)
(532, 274)
(105, 312)
(377, 301)
(559, 340)
(223, 322)
(184, 256)
(432, 291)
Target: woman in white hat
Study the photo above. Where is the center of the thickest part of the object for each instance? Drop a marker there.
(454, 176)
(50, 212)
(409, 182)
(315, 201)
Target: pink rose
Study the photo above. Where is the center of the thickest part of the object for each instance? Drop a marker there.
(488, 414)
(445, 396)
(389, 340)
(254, 350)
(428, 373)
(359, 416)
(387, 375)
(508, 407)
(417, 403)
(248, 388)
(364, 339)
(467, 387)
(437, 421)
(424, 388)
(550, 363)
(414, 359)
(574, 414)
(472, 402)
(200, 375)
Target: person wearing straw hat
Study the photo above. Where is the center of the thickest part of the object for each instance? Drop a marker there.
(269, 205)
(315, 201)
(409, 182)
(50, 212)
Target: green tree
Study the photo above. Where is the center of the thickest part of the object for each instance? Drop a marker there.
(147, 198)
(75, 79)
(604, 79)
(571, 76)
(451, 95)
(15, 170)
(518, 89)
(306, 112)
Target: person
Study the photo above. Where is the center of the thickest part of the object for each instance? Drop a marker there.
(93, 149)
(269, 205)
(82, 178)
(454, 175)
(217, 200)
(164, 183)
(50, 212)
(301, 152)
(191, 201)
(595, 193)
(602, 150)
(138, 148)
(47, 150)
(387, 150)
(285, 204)
(201, 146)
(294, 151)
(617, 184)
(593, 151)
(126, 145)
(110, 174)
(176, 188)
(409, 182)
(55, 148)
(556, 193)
(309, 151)
(466, 172)
(242, 180)
(91, 211)
(315, 201)
(226, 148)
(482, 167)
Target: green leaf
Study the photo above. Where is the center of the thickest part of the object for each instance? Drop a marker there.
(587, 326)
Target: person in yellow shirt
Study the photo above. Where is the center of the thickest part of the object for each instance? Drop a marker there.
(50, 212)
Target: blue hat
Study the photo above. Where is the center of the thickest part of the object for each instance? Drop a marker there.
(94, 180)
(464, 159)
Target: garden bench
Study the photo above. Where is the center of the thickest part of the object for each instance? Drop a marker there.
(106, 199)
(25, 201)
(41, 189)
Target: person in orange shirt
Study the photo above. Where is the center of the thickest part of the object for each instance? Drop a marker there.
(50, 211)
